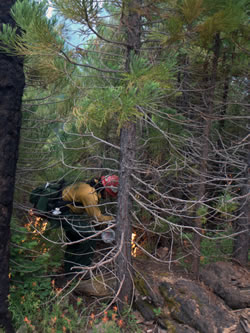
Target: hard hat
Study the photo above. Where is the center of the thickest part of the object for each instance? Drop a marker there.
(111, 184)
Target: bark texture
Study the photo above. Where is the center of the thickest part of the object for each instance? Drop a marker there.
(131, 21)
(124, 266)
(11, 90)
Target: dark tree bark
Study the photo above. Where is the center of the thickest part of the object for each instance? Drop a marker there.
(205, 152)
(242, 240)
(131, 21)
(124, 266)
(11, 90)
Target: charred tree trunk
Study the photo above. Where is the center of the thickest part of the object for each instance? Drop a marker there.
(242, 240)
(131, 22)
(11, 90)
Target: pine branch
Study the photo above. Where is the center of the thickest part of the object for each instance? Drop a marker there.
(88, 66)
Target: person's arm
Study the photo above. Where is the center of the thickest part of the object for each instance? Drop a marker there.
(90, 202)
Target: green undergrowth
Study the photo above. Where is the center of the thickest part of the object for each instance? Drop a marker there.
(216, 250)
(37, 304)
(61, 314)
(213, 249)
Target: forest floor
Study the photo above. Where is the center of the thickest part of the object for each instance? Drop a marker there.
(218, 302)
(169, 300)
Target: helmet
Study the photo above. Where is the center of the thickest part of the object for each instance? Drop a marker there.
(111, 184)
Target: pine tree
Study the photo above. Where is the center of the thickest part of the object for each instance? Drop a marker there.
(170, 80)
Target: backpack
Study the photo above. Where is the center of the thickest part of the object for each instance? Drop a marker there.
(47, 198)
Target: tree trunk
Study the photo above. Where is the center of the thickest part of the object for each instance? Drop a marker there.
(131, 21)
(124, 265)
(11, 90)
(205, 153)
(241, 243)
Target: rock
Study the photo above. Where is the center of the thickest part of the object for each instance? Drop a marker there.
(191, 304)
(217, 304)
(229, 281)
(184, 329)
(147, 291)
(172, 326)
(145, 308)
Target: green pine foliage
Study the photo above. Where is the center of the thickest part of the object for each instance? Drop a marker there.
(38, 42)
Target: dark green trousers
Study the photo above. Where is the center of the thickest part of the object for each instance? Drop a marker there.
(79, 254)
(77, 228)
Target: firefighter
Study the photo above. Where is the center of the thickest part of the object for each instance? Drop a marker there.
(84, 198)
